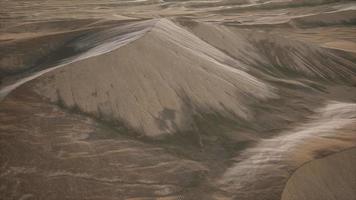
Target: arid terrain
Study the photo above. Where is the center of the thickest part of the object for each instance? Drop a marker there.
(177, 100)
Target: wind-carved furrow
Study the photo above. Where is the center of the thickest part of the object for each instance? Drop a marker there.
(155, 105)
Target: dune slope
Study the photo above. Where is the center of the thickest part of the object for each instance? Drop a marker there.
(157, 83)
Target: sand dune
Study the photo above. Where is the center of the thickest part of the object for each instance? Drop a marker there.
(173, 100)
(177, 100)
(218, 83)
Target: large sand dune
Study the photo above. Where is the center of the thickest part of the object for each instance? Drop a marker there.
(178, 100)
(200, 79)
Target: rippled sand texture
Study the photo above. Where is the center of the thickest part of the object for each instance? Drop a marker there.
(178, 100)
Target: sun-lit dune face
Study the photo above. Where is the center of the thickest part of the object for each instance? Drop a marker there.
(178, 100)
(189, 77)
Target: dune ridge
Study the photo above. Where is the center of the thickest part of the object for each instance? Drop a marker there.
(241, 75)
(171, 113)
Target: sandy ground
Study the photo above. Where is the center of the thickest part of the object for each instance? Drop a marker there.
(178, 100)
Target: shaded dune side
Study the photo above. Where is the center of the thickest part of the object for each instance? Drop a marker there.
(274, 54)
(43, 49)
(330, 178)
(160, 90)
(24, 45)
(295, 59)
(87, 44)
(21, 55)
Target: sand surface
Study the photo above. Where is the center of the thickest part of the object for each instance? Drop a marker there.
(178, 100)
